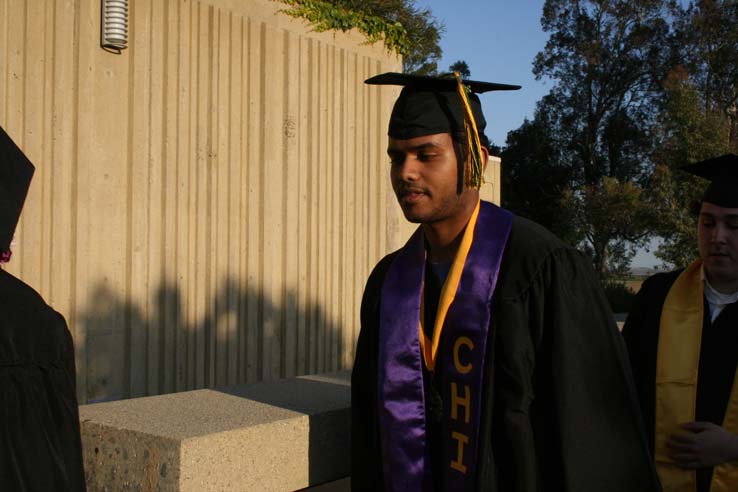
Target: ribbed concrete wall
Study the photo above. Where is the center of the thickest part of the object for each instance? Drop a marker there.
(207, 205)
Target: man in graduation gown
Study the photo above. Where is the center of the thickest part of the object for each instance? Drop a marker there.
(488, 359)
(40, 449)
(682, 337)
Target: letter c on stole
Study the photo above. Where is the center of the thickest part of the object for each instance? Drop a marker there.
(462, 368)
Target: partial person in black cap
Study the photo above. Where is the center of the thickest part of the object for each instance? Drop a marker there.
(682, 336)
(40, 449)
(488, 358)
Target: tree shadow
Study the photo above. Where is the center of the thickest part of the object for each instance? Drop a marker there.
(159, 346)
(177, 341)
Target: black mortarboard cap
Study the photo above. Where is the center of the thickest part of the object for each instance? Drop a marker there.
(15, 178)
(429, 105)
(723, 173)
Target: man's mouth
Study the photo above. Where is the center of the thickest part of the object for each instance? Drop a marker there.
(411, 195)
(719, 254)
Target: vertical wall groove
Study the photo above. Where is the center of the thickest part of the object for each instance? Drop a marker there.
(50, 194)
(74, 308)
(167, 349)
(263, 314)
(128, 364)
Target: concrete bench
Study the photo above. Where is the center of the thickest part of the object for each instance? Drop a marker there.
(275, 436)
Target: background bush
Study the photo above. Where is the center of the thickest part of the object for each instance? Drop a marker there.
(619, 295)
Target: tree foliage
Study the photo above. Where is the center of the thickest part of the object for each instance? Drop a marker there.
(534, 177)
(697, 118)
(613, 217)
(462, 67)
(603, 56)
(641, 88)
(407, 29)
(707, 43)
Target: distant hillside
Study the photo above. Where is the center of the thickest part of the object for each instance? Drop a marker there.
(644, 271)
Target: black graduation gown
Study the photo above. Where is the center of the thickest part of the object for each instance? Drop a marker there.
(718, 357)
(559, 409)
(40, 449)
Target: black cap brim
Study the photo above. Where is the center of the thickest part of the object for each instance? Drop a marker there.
(429, 105)
(429, 83)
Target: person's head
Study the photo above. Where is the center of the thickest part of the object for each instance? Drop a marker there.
(16, 172)
(718, 243)
(437, 145)
(717, 225)
(428, 178)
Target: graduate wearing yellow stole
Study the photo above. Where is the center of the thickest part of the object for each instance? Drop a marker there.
(682, 337)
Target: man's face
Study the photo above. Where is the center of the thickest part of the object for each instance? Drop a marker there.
(718, 243)
(425, 177)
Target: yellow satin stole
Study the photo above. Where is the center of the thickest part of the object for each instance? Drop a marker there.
(429, 348)
(678, 358)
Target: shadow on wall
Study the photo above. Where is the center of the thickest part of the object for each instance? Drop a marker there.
(235, 336)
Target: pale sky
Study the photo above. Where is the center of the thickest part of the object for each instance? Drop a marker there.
(499, 40)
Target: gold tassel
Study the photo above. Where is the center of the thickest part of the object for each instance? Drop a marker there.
(473, 167)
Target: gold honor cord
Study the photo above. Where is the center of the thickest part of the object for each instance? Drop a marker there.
(473, 167)
(678, 359)
(448, 293)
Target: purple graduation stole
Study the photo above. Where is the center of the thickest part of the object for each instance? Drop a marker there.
(460, 361)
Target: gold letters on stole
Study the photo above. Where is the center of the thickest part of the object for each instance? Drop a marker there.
(460, 397)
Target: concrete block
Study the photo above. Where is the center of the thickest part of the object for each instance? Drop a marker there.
(275, 436)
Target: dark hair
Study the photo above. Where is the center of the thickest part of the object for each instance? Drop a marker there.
(459, 141)
(459, 138)
(695, 207)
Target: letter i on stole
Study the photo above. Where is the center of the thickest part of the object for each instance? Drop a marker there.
(457, 401)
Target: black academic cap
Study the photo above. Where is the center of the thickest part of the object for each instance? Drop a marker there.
(723, 173)
(15, 178)
(429, 105)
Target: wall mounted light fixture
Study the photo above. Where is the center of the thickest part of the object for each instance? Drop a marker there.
(114, 25)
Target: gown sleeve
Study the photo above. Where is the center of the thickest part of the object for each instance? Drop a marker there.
(366, 460)
(40, 448)
(641, 339)
(566, 416)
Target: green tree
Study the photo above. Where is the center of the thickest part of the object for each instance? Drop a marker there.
(688, 133)
(410, 30)
(604, 57)
(707, 42)
(697, 118)
(424, 31)
(462, 67)
(534, 177)
(606, 210)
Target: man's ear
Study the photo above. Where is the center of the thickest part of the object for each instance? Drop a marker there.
(485, 158)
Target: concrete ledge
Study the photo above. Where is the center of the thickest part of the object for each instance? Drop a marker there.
(276, 436)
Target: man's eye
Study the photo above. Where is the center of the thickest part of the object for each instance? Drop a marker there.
(426, 157)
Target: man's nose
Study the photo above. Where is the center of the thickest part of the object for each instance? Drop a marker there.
(408, 169)
(719, 233)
